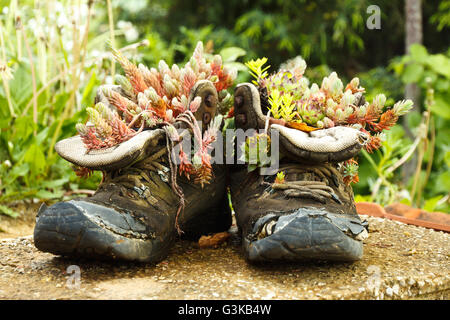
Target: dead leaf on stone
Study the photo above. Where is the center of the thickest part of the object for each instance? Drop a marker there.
(213, 240)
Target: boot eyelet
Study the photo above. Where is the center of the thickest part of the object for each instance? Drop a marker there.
(209, 101)
(238, 101)
(241, 119)
(206, 118)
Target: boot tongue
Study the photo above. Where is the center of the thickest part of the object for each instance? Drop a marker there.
(326, 145)
(139, 146)
(74, 150)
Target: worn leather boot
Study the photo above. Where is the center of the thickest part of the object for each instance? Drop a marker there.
(133, 214)
(310, 213)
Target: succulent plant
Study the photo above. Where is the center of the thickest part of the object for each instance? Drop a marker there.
(312, 109)
(252, 150)
(349, 171)
(280, 178)
(326, 106)
(157, 97)
(309, 108)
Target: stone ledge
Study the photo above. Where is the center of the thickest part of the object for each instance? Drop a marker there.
(400, 262)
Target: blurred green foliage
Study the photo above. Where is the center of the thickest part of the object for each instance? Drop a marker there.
(432, 183)
(53, 72)
(49, 71)
(321, 31)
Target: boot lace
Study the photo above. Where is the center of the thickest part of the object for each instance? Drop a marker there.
(309, 182)
(138, 178)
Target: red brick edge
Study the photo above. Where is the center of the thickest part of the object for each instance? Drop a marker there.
(375, 210)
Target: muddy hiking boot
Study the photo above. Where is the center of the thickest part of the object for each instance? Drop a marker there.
(135, 212)
(306, 211)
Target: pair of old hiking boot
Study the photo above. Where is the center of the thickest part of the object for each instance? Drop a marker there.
(134, 214)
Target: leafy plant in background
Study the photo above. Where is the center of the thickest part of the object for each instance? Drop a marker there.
(429, 185)
(324, 32)
(431, 182)
(50, 65)
(442, 16)
(43, 83)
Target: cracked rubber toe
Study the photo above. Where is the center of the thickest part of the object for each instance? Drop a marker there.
(305, 234)
(81, 228)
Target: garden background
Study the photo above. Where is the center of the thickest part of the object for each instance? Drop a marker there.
(54, 55)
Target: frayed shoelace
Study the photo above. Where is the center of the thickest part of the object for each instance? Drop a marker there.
(318, 190)
(135, 174)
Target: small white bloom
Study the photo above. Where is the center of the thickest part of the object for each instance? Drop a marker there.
(403, 194)
(32, 23)
(59, 7)
(62, 20)
(130, 32)
(69, 45)
(131, 35)
(84, 10)
(109, 80)
(123, 24)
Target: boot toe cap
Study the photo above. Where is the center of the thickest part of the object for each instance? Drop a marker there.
(81, 228)
(306, 234)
